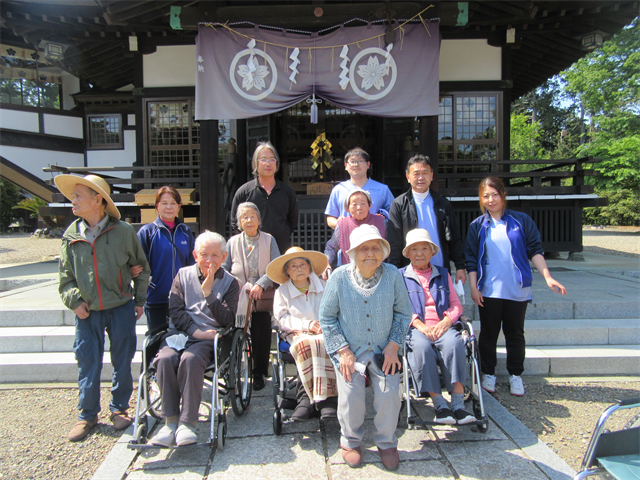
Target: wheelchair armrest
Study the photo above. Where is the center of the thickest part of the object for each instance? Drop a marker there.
(465, 320)
(225, 330)
(160, 328)
(629, 401)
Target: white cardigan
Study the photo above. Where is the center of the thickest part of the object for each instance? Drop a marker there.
(293, 310)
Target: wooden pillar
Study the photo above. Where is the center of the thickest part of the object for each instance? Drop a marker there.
(429, 144)
(211, 199)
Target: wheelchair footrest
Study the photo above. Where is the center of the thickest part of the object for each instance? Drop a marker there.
(287, 404)
(431, 423)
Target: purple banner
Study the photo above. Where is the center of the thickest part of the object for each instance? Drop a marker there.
(243, 73)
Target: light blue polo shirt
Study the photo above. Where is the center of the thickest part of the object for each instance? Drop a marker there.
(427, 220)
(381, 197)
(501, 273)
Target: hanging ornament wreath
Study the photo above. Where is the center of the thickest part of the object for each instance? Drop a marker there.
(321, 152)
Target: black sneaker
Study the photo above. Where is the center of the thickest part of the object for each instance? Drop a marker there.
(444, 416)
(463, 417)
(258, 381)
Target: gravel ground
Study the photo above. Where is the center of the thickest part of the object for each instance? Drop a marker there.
(19, 248)
(34, 445)
(563, 413)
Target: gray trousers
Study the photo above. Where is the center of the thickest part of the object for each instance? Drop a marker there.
(181, 374)
(424, 357)
(351, 404)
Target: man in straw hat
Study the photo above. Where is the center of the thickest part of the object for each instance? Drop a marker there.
(95, 282)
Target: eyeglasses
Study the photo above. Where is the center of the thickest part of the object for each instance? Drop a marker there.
(356, 162)
(302, 266)
(267, 160)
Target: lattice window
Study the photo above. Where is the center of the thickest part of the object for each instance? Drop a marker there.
(174, 137)
(105, 131)
(468, 125)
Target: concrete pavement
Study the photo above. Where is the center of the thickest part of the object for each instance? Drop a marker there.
(311, 450)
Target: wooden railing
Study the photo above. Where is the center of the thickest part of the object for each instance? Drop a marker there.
(556, 177)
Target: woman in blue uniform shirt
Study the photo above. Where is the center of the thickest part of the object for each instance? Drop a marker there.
(168, 244)
(499, 245)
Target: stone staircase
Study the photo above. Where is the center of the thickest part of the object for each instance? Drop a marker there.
(563, 339)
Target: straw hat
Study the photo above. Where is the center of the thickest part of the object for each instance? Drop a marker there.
(66, 184)
(364, 233)
(275, 270)
(351, 194)
(418, 235)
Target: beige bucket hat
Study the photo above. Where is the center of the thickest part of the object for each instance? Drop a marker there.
(418, 235)
(275, 270)
(364, 233)
(66, 184)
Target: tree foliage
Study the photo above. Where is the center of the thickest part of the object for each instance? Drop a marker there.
(9, 197)
(605, 84)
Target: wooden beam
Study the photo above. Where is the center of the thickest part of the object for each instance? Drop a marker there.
(287, 16)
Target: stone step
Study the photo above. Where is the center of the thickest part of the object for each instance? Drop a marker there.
(627, 307)
(545, 361)
(48, 339)
(538, 332)
(43, 311)
(577, 332)
(577, 361)
(42, 317)
(52, 367)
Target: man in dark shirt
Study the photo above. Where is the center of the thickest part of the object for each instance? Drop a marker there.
(203, 299)
(276, 200)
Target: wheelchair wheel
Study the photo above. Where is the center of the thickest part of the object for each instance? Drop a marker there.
(477, 412)
(276, 383)
(240, 377)
(153, 395)
(277, 422)
(142, 431)
(222, 431)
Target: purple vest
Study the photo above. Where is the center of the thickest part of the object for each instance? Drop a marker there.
(347, 224)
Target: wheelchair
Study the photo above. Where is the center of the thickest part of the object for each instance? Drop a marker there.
(283, 386)
(229, 376)
(614, 454)
(472, 388)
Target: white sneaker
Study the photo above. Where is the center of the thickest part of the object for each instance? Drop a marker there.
(166, 437)
(489, 383)
(517, 387)
(186, 435)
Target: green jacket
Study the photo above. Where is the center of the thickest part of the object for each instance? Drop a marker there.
(99, 274)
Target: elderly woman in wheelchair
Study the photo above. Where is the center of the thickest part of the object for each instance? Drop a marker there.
(431, 340)
(295, 309)
(203, 300)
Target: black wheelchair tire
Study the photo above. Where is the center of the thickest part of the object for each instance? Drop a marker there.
(141, 432)
(277, 422)
(222, 431)
(240, 375)
(152, 393)
(477, 412)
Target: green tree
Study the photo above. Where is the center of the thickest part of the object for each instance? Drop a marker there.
(607, 83)
(9, 197)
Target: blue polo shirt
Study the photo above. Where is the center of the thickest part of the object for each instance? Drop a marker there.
(381, 197)
(501, 275)
(427, 220)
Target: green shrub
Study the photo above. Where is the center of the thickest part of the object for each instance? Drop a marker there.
(623, 209)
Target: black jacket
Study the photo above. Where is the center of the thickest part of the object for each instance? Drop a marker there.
(279, 210)
(403, 217)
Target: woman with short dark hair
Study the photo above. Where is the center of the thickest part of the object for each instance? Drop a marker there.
(168, 244)
(500, 243)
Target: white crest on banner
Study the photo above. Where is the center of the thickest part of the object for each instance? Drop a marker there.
(373, 73)
(344, 76)
(294, 64)
(252, 73)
